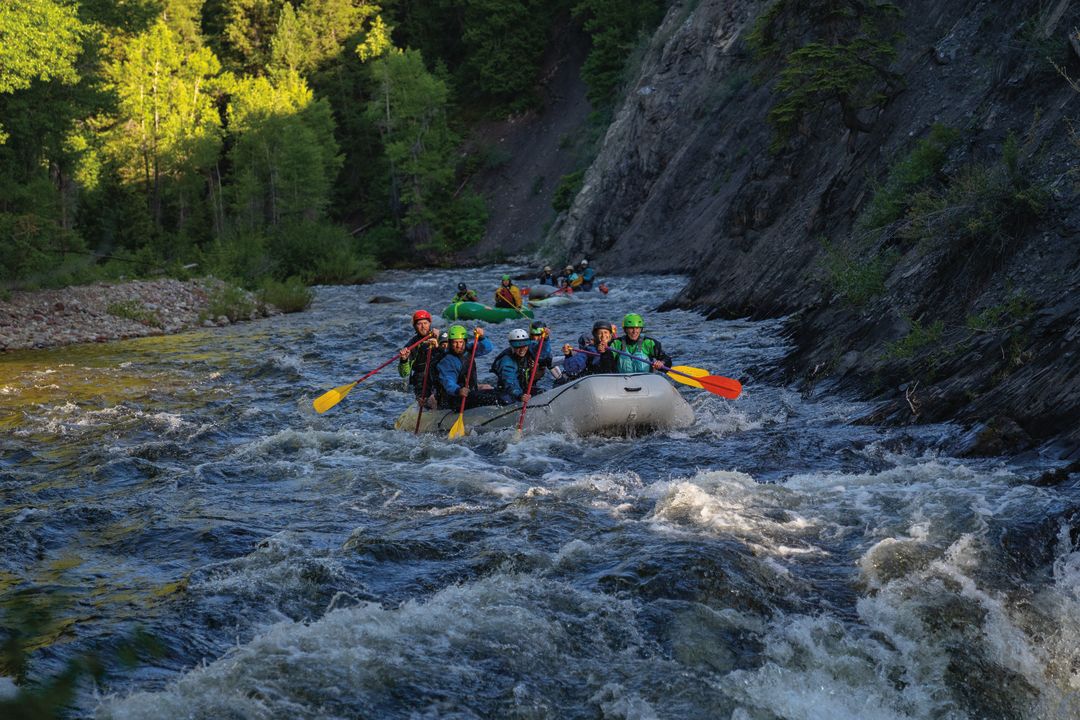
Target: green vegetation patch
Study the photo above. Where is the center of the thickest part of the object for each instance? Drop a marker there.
(289, 296)
(985, 204)
(857, 279)
(567, 190)
(229, 301)
(135, 310)
(918, 339)
(843, 63)
(914, 172)
(1016, 310)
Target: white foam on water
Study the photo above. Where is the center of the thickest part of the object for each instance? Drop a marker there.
(280, 567)
(768, 518)
(497, 647)
(816, 667)
(72, 419)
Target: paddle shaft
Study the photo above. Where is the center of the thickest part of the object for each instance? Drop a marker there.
(396, 357)
(423, 392)
(532, 377)
(510, 300)
(663, 367)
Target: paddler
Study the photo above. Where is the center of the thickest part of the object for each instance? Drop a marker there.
(413, 363)
(508, 295)
(453, 368)
(512, 367)
(646, 353)
(464, 294)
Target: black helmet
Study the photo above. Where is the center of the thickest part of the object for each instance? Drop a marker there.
(462, 287)
(601, 325)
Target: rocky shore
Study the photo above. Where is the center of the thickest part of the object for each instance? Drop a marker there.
(114, 311)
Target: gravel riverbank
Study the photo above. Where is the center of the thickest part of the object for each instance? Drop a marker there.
(114, 311)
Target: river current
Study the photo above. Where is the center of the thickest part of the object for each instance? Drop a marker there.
(774, 560)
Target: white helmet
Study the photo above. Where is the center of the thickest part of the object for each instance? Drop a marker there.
(518, 338)
(584, 263)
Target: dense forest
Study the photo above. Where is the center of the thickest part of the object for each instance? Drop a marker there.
(257, 139)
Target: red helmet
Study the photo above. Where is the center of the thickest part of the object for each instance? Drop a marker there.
(420, 315)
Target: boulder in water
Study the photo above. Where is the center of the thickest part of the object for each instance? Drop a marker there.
(381, 299)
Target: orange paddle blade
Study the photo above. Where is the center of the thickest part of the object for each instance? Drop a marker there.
(722, 386)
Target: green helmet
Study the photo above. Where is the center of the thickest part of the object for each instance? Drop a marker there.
(633, 320)
(506, 277)
(457, 332)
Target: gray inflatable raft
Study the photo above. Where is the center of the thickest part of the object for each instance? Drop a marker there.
(592, 404)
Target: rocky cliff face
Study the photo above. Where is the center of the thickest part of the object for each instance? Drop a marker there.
(965, 304)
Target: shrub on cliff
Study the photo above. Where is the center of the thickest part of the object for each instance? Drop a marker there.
(843, 63)
(985, 204)
(911, 174)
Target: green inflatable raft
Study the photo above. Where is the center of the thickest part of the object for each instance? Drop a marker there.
(476, 311)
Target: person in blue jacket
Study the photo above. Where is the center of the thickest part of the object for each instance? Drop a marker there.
(588, 275)
(579, 364)
(512, 367)
(452, 369)
(546, 278)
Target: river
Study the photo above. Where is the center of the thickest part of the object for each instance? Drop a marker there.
(775, 560)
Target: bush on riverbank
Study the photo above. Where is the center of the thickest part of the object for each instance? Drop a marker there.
(289, 296)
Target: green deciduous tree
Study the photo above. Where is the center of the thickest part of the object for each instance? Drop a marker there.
(285, 158)
(410, 112)
(168, 129)
(39, 40)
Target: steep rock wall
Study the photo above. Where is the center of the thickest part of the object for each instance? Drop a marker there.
(685, 181)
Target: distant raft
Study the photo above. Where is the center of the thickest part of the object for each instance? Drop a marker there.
(476, 311)
(609, 404)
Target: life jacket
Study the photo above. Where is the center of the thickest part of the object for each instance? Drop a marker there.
(508, 297)
(644, 351)
(522, 370)
(418, 362)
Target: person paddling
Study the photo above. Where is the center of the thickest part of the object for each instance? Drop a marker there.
(464, 294)
(579, 364)
(512, 367)
(412, 364)
(646, 354)
(588, 275)
(453, 369)
(536, 331)
(546, 278)
(508, 295)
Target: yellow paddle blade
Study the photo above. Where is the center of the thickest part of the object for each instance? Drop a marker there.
(458, 430)
(331, 398)
(687, 370)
